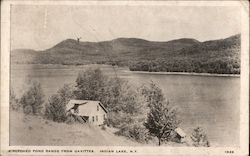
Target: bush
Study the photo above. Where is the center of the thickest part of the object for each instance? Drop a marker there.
(103, 127)
(32, 100)
(28, 109)
(14, 103)
(119, 119)
(135, 132)
(199, 138)
(56, 108)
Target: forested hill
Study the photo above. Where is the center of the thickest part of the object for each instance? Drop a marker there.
(217, 56)
(181, 55)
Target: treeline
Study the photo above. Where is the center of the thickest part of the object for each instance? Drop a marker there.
(219, 66)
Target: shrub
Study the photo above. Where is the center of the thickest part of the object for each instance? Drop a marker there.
(103, 127)
(28, 110)
(135, 131)
(56, 108)
(14, 103)
(199, 138)
(32, 100)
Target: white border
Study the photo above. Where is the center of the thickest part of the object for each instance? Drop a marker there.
(142, 150)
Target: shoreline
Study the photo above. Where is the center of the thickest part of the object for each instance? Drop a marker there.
(185, 73)
(51, 66)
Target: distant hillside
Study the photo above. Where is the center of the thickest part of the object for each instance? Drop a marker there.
(141, 54)
(217, 56)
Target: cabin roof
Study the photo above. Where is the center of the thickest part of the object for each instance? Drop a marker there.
(180, 132)
(75, 103)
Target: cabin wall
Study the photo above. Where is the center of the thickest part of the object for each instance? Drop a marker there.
(96, 115)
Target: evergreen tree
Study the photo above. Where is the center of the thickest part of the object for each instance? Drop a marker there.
(162, 118)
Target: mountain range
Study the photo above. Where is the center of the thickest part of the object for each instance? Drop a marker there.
(135, 53)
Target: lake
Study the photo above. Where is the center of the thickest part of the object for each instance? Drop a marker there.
(211, 102)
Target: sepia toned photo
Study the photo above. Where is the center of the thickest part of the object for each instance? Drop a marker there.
(125, 78)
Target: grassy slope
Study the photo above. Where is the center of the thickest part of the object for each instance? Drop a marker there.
(27, 130)
(33, 130)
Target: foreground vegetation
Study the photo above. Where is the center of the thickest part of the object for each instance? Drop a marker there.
(141, 115)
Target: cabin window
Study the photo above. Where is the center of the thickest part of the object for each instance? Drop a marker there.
(96, 118)
(93, 118)
(97, 108)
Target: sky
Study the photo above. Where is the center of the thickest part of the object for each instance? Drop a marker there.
(41, 27)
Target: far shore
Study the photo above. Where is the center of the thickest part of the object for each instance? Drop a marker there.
(126, 69)
(185, 73)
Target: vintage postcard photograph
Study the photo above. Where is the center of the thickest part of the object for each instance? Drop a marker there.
(124, 78)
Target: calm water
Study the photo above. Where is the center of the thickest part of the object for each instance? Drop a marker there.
(210, 102)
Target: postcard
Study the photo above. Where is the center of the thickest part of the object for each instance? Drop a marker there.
(124, 77)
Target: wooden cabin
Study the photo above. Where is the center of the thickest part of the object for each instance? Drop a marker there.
(92, 112)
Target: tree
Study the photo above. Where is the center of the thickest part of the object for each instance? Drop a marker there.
(199, 137)
(14, 103)
(90, 84)
(33, 99)
(161, 118)
(56, 108)
(114, 93)
(66, 93)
